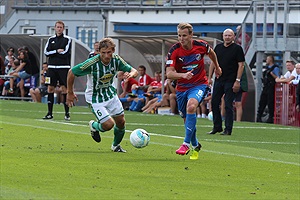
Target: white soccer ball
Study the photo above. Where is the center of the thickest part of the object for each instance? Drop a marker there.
(139, 138)
(210, 116)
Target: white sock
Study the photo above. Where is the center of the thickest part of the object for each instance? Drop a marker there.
(186, 144)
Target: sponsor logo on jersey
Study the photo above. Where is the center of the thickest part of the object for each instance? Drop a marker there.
(190, 67)
(106, 78)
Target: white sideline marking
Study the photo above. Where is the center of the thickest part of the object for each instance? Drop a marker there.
(208, 126)
(232, 154)
(233, 141)
(173, 125)
(177, 137)
(163, 144)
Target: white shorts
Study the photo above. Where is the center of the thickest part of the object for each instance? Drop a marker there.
(104, 110)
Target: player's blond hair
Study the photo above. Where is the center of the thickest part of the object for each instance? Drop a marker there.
(185, 25)
(106, 43)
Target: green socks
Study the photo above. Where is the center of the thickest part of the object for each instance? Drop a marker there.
(98, 126)
(119, 134)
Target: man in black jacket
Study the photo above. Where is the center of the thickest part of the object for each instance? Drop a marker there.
(58, 50)
(268, 93)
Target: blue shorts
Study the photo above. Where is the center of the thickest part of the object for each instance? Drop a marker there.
(199, 92)
(23, 75)
(159, 96)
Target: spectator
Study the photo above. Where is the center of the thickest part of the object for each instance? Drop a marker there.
(24, 71)
(239, 39)
(185, 63)
(297, 78)
(155, 86)
(33, 61)
(96, 50)
(143, 82)
(289, 75)
(153, 95)
(126, 85)
(298, 98)
(238, 101)
(199, 111)
(171, 84)
(10, 56)
(205, 106)
(270, 74)
(298, 89)
(37, 93)
(231, 59)
(58, 50)
(2, 71)
(139, 90)
(6, 87)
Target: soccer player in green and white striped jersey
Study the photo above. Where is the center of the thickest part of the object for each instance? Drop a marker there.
(100, 94)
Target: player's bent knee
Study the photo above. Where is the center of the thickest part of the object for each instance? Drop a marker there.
(108, 125)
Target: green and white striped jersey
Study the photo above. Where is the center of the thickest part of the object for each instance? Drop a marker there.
(100, 77)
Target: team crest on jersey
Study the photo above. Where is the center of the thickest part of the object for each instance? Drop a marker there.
(106, 78)
(198, 56)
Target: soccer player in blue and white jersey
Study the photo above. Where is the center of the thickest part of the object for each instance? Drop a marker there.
(100, 94)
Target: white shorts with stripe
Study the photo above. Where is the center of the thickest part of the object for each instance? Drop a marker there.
(104, 110)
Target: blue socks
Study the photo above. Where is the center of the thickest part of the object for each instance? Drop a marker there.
(190, 128)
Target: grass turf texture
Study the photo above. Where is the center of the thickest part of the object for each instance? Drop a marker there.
(59, 160)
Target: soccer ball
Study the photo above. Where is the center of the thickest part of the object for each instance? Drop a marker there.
(210, 116)
(139, 138)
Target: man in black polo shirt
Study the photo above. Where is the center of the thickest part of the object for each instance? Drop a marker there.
(231, 60)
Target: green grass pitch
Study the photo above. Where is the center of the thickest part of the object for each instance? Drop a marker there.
(59, 160)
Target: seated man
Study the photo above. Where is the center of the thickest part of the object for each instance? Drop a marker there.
(153, 94)
(24, 71)
(7, 84)
(139, 90)
(143, 83)
(126, 85)
(37, 93)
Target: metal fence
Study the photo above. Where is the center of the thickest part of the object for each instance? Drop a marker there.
(129, 3)
(285, 105)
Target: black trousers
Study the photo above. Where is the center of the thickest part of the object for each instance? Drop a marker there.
(220, 88)
(267, 99)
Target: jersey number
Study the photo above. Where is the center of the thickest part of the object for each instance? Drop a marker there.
(199, 94)
(99, 113)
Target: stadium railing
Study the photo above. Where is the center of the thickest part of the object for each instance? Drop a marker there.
(128, 3)
(285, 105)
